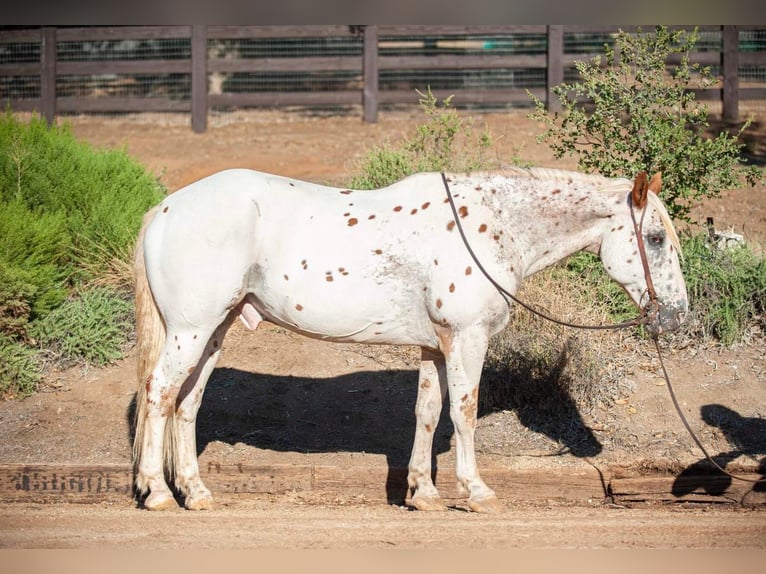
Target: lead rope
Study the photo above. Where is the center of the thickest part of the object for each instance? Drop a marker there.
(651, 309)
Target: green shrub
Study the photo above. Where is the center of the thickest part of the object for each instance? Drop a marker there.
(727, 290)
(634, 114)
(639, 116)
(19, 369)
(96, 197)
(93, 327)
(69, 216)
(35, 261)
(445, 141)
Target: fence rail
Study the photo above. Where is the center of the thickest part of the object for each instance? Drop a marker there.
(212, 67)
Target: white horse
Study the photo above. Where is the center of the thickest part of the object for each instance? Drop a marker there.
(385, 266)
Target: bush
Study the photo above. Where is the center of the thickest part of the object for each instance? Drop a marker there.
(67, 204)
(636, 115)
(35, 263)
(444, 142)
(639, 116)
(92, 327)
(19, 369)
(69, 216)
(727, 290)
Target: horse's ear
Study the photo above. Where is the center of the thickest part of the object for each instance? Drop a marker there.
(655, 184)
(640, 187)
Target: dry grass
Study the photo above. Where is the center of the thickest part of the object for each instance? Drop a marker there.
(534, 363)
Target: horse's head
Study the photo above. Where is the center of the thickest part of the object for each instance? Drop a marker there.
(641, 251)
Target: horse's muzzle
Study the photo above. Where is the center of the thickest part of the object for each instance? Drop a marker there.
(664, 318)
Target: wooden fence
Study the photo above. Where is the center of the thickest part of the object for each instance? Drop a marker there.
(370, 64)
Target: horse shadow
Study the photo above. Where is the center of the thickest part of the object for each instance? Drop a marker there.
(747, 436)
(363, 412)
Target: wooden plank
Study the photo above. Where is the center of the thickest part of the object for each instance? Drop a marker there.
(95, 33)
(575, 485)
(752, 58)
(258, 479)
(374, 483)
(370, 75)
(221, 32)
(256, 99)
(476, 30)
(101, 67)
(22, 104)
(707, 94)
(555, 64)
(730, 57)
(48, 74)
(199, 88)
(700, 488)
(305, 64)
(378, 483)
(29, 35)
(452, 61)
(752, 93)
(26, 69)
(86, 104)
(65, 482)
(464, 96)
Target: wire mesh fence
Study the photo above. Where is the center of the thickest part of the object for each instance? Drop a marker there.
(131, 69)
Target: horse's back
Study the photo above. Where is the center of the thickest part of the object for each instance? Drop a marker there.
(338, 263)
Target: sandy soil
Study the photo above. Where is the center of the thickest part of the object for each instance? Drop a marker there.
(276, 397)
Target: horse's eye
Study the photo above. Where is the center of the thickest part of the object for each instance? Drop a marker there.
(656, 239)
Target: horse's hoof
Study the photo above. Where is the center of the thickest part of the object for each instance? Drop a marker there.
(160, 501)
(202, 502)
(488, 505)
(428, 503)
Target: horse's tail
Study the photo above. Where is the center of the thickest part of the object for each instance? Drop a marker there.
(150, 338)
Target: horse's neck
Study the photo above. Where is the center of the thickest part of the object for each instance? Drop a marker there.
(545, 228)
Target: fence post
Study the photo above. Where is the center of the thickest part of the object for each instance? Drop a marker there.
(370, 74)
(199, 78)
(730, 111)
(555, 65)
(48, 73)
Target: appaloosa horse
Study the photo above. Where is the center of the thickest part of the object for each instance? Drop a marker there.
(385, 266)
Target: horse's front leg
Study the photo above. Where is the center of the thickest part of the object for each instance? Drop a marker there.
(464, 360)
(432, 387)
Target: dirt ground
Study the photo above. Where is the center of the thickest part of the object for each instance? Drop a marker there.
(278, 398)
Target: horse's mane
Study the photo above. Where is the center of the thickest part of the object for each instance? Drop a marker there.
(664, 216)
(602, 183)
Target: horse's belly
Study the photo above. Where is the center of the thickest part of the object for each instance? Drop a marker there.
(360, 311)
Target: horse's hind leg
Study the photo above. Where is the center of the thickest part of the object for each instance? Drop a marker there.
(432, 387)
(179, 358)
(188, 480)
